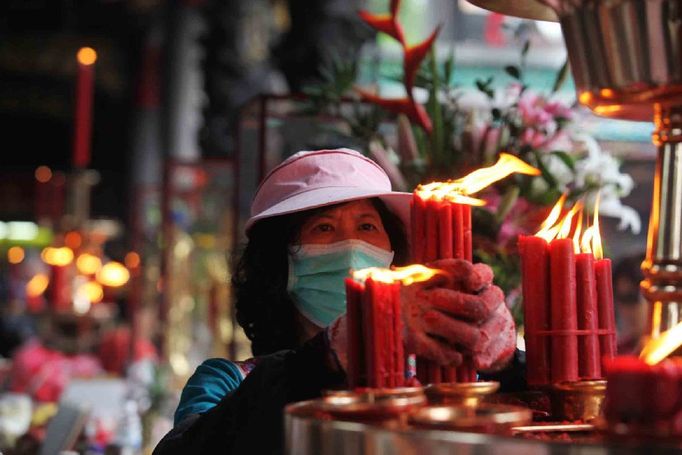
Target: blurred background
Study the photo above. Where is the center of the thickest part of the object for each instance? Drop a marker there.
(119, 219)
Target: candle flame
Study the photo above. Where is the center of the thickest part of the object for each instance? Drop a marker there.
(567, 222)
(596, 237)
(459, 190)
(586, 241)
(548, 230)
(406, 275)
(578, 228)
(86, 56)
(657, 349)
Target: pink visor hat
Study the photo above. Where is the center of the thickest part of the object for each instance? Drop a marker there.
(314, 179)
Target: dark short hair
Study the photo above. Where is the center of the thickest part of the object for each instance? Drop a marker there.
(264, 309)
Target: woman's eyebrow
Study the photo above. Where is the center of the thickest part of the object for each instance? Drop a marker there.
(323, 215)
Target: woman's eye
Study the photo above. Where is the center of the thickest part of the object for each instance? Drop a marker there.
(323, 227)
(368, 227)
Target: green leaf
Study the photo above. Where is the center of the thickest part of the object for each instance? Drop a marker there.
(496, 113)
(484, 86)
(513, 71)
(546, 174)
(448, 68)
(566, 158)
(561, 77)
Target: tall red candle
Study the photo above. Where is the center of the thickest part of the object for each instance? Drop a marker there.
(536, 311)
(445, 231)
(644, 397)
(431, 230)
(418, 228)
(467, 372)
(607, 322)
(375, 345)
(564, 344)
(454, 237)
(83, 116)
(467, 233)
(355, 340)
(399, 361)
(442, 229)
(589, 366)
(458, 240)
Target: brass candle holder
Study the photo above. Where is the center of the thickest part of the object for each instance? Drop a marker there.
(370, 405)
(484, 418)
(581, 400)
(626, 61)
(461, 393)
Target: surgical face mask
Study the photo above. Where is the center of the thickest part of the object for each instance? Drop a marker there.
(317, 273)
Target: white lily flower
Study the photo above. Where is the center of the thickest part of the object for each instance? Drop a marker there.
(601, 170)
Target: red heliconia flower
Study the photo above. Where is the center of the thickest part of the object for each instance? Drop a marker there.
(407, 106)
(395, 6)
(386, 23)
(414, 55)
(422, 116)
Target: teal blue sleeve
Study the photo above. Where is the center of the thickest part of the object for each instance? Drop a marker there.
(209, 384)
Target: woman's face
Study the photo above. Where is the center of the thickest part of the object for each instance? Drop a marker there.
(355, 220)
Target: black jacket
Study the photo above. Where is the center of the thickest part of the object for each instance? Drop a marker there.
(251, 419)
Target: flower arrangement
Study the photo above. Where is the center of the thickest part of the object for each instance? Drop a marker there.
(438, 137)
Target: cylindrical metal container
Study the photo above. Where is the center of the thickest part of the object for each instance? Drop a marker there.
(625, 55)
(309, 432)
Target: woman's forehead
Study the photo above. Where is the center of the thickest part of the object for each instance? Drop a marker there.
(359, 207)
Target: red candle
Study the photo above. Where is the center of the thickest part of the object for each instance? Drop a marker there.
(83, 115)
(441, 229)
(355, 340)
(457, 220)
(589, 366)
(431, 231)
(535, 288)
(467, 233)
(445, 231)
(607, 322)
(418, 228)
(451, 236)
(564, 345)
(644, 395)
(466, 372)
(375, 345)
(399, 361)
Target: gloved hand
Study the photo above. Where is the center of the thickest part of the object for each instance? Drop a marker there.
(459, 312)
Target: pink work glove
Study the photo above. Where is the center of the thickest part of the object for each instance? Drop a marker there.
(459, 312)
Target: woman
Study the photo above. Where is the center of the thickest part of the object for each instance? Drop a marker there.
(314, 217)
